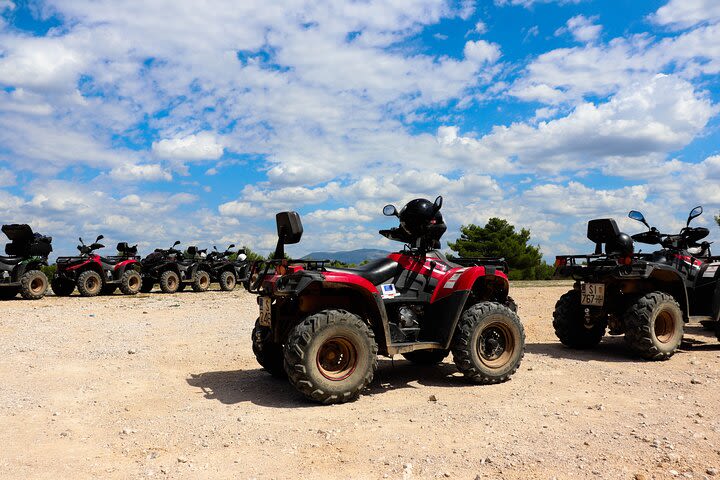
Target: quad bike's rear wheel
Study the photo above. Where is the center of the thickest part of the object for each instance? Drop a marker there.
(89, 283)
(147, 285)
(33, 285)
(267, 353)
(8, 293)
(62, 287)
(331, 356)
(654, 326)
(227, 281)
(108, 289)
(571, 326)
(201, 282)
(131, 282)
(169, 282)
(489, 343)
(426, 357)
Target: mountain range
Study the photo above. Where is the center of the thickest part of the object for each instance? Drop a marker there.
(349, 256)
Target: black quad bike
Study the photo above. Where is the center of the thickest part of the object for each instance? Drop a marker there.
(648, 297)
(20, 271)
(323, 327)
(94, 275)
(174, 271)
(222, 269)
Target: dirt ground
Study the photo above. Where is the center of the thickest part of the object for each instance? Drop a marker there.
(166, 386)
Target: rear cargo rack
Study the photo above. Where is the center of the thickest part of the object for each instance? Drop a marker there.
(259, 269)
(482, 261)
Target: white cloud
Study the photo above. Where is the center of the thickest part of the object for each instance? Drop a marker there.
(581, 28)
(7, 178)
(480, 27)
(239, 209)
(481, 51)
(654, 118)
(203, 146)
(530, 3)
(143, 172)
(687, 13)
(339, 215)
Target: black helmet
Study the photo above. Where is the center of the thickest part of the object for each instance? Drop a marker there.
(419, 214)
(622, 244)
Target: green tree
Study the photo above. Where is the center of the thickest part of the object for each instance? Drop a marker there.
(500, 239)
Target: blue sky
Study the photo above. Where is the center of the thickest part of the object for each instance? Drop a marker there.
(161, 120)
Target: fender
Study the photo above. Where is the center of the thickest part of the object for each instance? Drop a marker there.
(121, 266)
(465, 278)
(673, 283)
(29, 264)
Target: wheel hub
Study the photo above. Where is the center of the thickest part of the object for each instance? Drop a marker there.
(495, 345)
(337, 358)
(37, 285)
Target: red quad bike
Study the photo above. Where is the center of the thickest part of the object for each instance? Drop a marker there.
(94, 275)
(324, 327)
(648, 297)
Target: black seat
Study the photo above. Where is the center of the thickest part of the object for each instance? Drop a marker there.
(376, 271)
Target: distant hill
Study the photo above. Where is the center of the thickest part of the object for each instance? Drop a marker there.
(350, 256)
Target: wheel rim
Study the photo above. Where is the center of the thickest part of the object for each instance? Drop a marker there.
(495, 345)
(172, 282)
(37, 285)
(664, 327)
(230, 282)
(337, 358)
(134, 282)
(92, 284)
(204, 280)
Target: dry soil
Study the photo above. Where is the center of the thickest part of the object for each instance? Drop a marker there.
(166, 386)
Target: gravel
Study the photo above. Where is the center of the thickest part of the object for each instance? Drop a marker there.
(75, 402)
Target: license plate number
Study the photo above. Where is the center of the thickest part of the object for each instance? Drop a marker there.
(592, 294)
(265, 310)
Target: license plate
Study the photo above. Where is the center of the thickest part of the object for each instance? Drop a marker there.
(592, 294)
(265, 310)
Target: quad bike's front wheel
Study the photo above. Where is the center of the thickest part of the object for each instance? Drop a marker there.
(8, 293)
(33, 285)
(571, 327)
(489, 343)
(267, 353)
(131, 282)
(202, 281)
(654, 326)
(62, 287)
(331, 356)
(227, 281)
(89, 283)
(169, 282)
(426, 357)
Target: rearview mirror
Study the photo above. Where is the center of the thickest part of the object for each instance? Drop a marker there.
(177, 242)
(81, 241)
(232, 245)
(390, 211)
(99, 237)
(289, 227)
(694, 213)
(290, 230)
(635, 215)
(438, 202)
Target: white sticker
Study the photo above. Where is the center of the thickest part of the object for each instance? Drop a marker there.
(388, 290)
(711, 269)
(451, 282)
